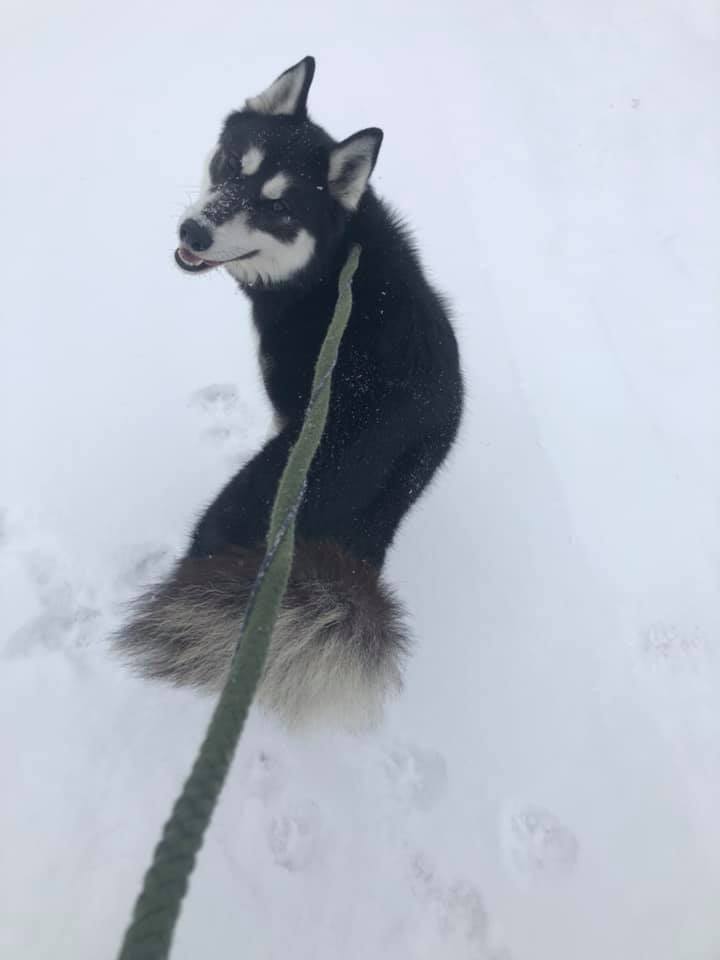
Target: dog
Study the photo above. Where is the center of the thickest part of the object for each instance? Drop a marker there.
(281, 204)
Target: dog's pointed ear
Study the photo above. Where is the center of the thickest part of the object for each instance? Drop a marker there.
(351, 163)
(287, 95)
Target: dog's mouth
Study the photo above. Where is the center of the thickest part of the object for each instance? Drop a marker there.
(189, 261)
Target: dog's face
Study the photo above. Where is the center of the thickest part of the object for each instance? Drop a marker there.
(278, 191)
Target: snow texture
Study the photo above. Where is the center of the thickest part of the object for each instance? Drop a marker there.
(548, 786)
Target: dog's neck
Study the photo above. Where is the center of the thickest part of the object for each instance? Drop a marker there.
(314, 290)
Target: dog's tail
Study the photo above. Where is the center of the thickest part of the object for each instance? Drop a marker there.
(338, 643)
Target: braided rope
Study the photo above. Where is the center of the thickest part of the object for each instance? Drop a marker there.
(149, 935)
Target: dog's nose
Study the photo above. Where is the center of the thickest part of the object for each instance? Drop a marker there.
(195, 235)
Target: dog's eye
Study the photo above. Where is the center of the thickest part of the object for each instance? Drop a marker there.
(279, 206)
(233, 165)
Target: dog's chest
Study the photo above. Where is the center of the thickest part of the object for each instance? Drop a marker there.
(287, 364)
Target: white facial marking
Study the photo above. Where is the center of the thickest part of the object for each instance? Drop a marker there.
(276, 186)
(276, 261)
(251, 161)
(273, 260)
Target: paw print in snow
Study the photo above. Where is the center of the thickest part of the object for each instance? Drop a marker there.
(536, 844)
(69, 616)
(667, 642)
(458, 906)
(293, 838)
(417, 775)
(224, 413)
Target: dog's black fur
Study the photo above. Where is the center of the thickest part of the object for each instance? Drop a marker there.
(395, 404)
(397, 390)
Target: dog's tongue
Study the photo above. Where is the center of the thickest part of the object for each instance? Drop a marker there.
(192, 264)
(187, 257)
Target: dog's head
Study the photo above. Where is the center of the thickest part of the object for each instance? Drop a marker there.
(278, 191)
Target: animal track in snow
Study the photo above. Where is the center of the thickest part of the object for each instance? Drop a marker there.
(62, 605)
(536, 844)
(223, 411)
(216, 397)
(69, 616)
(293, 837)
(672, 643)
(418, 776)
(458, 906)
(292, 823)
(406, 778)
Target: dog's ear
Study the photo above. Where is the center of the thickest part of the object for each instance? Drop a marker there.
(351, 163)
(288, 94)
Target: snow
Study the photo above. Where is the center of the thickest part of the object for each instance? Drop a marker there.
(548, 786)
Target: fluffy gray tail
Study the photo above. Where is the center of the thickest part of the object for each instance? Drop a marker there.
(337, 647)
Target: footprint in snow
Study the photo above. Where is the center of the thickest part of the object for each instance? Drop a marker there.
(672, 644)
(537, 845)
(69, 615)
(457, 905)
(293, 824)
(293, 837)
(223, 413)
(417, 776)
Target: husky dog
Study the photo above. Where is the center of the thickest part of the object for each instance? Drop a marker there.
(281, 205)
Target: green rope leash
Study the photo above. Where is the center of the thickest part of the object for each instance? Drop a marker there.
(151, 929)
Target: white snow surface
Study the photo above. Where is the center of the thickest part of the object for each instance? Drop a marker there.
(548, 786)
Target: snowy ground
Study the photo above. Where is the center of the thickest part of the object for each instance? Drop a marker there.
(548, 788)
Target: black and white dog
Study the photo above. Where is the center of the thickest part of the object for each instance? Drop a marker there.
(281, 205)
